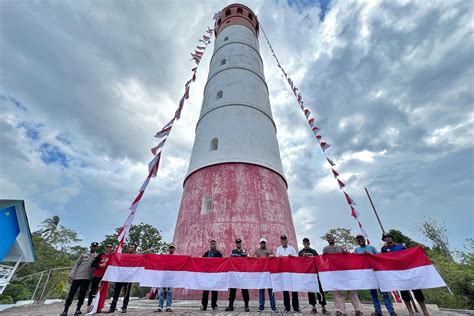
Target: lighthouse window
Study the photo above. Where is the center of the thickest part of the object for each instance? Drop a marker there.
(220, 94)
(250, 16)
(240, 11)
(226, 38)
(227, 13)
(214, 144)
(219, 22)
(206, 206)
(223, 62)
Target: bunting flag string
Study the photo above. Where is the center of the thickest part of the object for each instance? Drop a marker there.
(316, 131)
(154, 164)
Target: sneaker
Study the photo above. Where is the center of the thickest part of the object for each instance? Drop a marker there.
(78, 312)
(247, 309)
(110, 311)
(124, 310)
(214, 308)
(64, 313)
(286, 310)
(297, 310)
(376, 314)
(359, 313)
(203, 309)
(168, 309)
(229, 308)
(274, 311)
(314, 310)
(158, 310)
(261, 309)
(393, 314)
(325, 311)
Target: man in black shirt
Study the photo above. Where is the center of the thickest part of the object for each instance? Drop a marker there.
(307, 251)
(211, 253)
(238, 252)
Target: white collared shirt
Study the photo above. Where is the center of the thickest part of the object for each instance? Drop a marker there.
(285, 252)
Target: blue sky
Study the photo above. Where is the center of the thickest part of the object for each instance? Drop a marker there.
(85, 86)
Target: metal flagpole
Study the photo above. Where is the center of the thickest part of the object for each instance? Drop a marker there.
(375, 210)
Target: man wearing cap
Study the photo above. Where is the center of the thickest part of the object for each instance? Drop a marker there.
(238, 252)
(260, 252)
(100, 264)
(307, 251)
(362, 249)
(211, 253)
(166, 291)
(286, 250)
(80, 277)
(132, 249)
(390, 246)
(339, 304)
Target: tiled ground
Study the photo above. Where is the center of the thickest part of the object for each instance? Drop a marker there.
(146, 307)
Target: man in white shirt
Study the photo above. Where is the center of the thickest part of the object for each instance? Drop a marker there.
(286, 250)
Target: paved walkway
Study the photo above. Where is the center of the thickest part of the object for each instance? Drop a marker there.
(147, 307)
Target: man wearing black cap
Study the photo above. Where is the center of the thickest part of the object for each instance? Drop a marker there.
(307, 251)
(286, 250)
(80, 277)
(132, 249)
(211, 253)
(238, 252)
(391, 246)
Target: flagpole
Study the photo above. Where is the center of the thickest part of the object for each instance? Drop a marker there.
(375, 210)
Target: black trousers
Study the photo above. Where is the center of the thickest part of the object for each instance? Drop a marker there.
(233, 292)
(82, 286)
(294, 300)
(126, 295)
(312, 299)
(205, 299)
(93, 291)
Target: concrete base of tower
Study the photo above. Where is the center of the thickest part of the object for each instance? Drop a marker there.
(229, 201)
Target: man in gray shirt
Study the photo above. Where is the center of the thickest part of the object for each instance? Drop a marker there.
(80, 276)
(339, 304)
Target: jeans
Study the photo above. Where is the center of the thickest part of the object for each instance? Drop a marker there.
(386, 300)
(169, 296)
(261, 299)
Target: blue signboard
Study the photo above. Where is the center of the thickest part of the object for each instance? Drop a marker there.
(9, 229)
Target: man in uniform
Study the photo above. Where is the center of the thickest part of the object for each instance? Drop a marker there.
(80, 277)
(132, 249)
(238, 252)
(307, 251)
(286, 250)
(263, 251)
(211, 253)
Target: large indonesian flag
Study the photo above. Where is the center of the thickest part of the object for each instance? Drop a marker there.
(403, 270)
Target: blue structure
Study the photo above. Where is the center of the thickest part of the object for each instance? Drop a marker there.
(15, 235)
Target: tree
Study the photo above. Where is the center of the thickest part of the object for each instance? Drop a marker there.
(58, 236)
(437, 234)
(343, 237)
(146, 236)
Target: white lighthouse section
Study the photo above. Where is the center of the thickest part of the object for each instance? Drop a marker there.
(236, 123)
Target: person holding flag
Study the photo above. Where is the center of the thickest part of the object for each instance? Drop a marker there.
(166, 291)
(238, 252)
(100, 264)
(362, 249)
(211, 253)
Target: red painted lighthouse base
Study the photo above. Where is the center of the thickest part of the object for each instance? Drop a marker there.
(229, 201)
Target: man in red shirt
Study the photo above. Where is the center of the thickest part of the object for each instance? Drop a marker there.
(100, 264)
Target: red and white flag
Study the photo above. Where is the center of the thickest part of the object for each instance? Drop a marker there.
(324, 146)
(331, 162)
(307, 113)
(155, 149)
(402, 270)
(164, 132)
(335, 173)
(341, 184)
(349, 200)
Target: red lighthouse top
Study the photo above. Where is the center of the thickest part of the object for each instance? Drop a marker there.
(236, 14)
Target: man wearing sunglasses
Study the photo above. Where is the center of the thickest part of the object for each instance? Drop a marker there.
(100, 264)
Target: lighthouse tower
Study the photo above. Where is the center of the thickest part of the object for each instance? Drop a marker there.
(235, 186)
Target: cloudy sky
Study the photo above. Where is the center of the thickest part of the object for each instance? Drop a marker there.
(84, 86)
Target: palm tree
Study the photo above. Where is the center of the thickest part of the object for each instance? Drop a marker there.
(50, 227)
